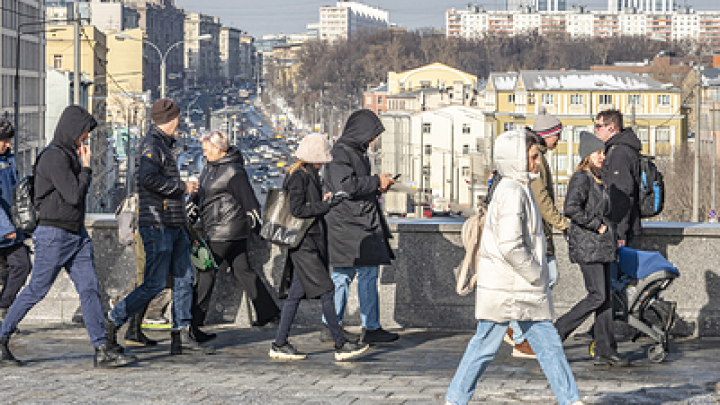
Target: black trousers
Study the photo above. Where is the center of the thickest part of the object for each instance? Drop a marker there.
(597, 301)
(233, 254)
(18, 260)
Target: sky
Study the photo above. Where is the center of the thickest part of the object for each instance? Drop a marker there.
(262, 17)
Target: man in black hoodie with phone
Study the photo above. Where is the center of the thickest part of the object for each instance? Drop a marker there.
(62, 177)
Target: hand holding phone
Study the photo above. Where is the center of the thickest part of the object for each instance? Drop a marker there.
(397, 176)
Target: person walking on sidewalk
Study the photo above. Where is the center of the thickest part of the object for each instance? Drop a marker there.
(306, 266)
(12, 244)
(357, 232)
(547, 129)
(161, 222)
(592, 244)
(61, 240)
(229, 211)
(514, 282)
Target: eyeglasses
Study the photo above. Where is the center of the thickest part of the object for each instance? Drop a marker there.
(598, 126)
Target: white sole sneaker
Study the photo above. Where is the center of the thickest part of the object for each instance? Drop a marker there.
(520, 355)
(507, 339)
(286, 356)
(346, 356)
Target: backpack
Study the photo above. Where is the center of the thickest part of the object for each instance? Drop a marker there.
(652, 188)
(471, 231)
(127, 215)
(23, 213)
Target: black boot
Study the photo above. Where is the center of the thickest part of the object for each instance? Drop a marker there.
(107, 356)
(183, 339)
(201, 336)
(134, 335)
(7, 358)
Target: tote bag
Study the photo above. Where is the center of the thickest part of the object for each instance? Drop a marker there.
(279, 226)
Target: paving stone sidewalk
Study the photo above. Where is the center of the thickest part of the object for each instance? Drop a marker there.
(415, 370)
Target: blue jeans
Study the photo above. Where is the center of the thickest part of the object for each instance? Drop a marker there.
(167, 251)
(482, 348)
(367, 293)
(56, 249)
(518, 336)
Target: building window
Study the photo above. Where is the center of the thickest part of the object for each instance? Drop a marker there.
(576, 99)
(606, 99)
(508, 126)
(466, 149)
(428, 149)
(634, 99)
(466, 129)
(663, 100)
(380, 100)
(548, 99)
(576, 133)
(478, 144)
(561, 190)
(511, 98)
(642, 133)
(427, 127)
(662, 135)
(465, 171)
(57, 62)
(561, 163)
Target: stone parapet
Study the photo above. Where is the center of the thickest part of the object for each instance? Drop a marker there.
(418, 290)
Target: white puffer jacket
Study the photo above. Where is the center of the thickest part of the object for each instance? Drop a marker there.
(513, 275)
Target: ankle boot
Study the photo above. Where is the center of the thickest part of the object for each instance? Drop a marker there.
(200, 336)
(183, 339)
(134, 335)
(107, 357)
(6, 357)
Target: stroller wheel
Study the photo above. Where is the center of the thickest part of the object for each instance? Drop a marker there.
(656, 353)
(591, 349)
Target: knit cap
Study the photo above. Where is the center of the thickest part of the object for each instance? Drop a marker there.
(164, 111)
(546, 124)
(6, 129)
(589, 143)
(314, 148)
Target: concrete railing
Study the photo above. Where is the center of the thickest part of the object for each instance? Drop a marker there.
(418, 290)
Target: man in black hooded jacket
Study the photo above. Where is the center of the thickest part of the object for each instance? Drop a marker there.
(61, 240)
(357, 232)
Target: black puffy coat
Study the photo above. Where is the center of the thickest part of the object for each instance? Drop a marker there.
(225, 197)
(587, 205)
(621, 174)
(61, 183)
(160, 189)
(357, 231)
(310, 258)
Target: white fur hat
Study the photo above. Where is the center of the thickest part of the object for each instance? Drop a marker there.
(314, 148)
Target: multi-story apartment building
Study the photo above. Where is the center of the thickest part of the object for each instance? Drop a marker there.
(663, 6)
(202, 58)
(349, 18)
(665, 67)
(104, 15)
(654, 110)
(247, 59)
(685, 23)
(30, 126)
(229, 47)
(163, 25)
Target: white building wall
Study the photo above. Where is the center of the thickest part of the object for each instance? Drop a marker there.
(348, 18)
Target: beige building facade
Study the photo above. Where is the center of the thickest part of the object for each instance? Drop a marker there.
(202, 59)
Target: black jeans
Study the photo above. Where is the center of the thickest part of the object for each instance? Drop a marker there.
(295, 294)
(598, 301)
(18, 260)
(233, 254)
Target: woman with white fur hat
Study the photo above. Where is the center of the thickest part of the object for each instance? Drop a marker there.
(306, 267)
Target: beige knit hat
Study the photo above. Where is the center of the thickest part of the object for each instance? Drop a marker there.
(314, 148)
(546, 124)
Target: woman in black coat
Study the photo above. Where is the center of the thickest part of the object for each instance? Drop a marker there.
(229, 211)
(307, 264)
(593, 245)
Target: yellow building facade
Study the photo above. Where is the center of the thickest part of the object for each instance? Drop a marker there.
(434, 75)
(575, 97)
(59, 53)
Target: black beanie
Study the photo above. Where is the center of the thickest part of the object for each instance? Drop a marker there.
(6, 129)
(164, 111)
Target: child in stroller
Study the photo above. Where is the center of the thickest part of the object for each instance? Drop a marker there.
(636, 290)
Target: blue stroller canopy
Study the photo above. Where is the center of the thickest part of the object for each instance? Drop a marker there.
(640, 264)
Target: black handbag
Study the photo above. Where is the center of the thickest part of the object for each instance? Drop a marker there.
(279, 226)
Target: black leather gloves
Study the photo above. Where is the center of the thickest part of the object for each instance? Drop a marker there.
(337, 197)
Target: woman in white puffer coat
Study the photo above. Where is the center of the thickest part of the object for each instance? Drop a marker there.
(513, 277)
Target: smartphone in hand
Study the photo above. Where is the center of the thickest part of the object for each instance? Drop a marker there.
(397, 176)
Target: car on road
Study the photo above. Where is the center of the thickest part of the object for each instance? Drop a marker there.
(254, 160)
(259, 177)
(263, 168)
(267, 184)
(273, 173)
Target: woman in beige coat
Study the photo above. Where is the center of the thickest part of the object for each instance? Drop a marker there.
(513, 277)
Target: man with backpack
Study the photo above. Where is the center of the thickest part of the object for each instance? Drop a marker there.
(62, 176)
(12, 246)
(620, 172)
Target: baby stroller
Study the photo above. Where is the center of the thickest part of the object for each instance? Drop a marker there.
(636, 290)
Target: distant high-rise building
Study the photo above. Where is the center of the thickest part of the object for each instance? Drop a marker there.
(512, 5)
(348, 18)
(659, 6)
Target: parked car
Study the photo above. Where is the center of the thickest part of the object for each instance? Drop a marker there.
(267, 184)
(259, 177)
(441, 206)
(273, 173)
(263, 168)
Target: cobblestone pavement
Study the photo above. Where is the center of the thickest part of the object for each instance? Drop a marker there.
(415, 370)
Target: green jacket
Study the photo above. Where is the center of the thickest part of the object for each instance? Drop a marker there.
(544, 193)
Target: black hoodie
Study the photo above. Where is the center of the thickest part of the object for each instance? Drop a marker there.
(61, 183)
(357, 231)
(621, 173)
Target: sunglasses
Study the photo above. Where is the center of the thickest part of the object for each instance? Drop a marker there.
(598, 126)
